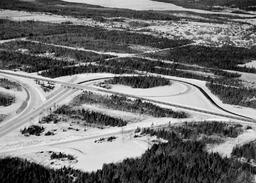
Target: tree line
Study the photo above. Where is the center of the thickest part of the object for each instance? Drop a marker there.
(239, 95)
(139, 81)
(208, 128)
(90, 68)
(28, 63)
(247, 151)
(225, 57)
(123, 103)
(82, 35)
(90, 117)
(63, 53)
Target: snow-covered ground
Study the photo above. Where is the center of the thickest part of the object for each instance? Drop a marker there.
(143, 5)
(90, 155)
(226, 148)
(174, 89)
(196, 98)
(177, 93)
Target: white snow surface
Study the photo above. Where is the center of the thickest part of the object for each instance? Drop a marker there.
(226, 148)
(142, 5)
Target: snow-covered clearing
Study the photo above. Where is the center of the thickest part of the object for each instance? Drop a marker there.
(226, 148)
(89, 155)
(177, 93)
(196, 98)
(144, 5)
(174, 89)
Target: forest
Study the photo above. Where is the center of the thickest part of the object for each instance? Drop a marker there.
(59, 52)
(139, 81)
(90, 117)
(90, 68)
(12, 29)
(135, 64)
(6, 99)
(108, 40)
(234, 95)
(247, 151)
(124, 104)
(28, 63)
(175, 161)
(225, 57)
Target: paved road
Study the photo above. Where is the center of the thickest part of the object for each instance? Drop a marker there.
(31, 114)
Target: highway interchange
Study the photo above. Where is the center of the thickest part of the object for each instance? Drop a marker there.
(33, 110)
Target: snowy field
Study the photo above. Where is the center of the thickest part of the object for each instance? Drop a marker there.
(89, 154)
(177, 93)
(225, 149)
(142, 5)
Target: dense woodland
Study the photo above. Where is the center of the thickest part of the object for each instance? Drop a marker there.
(226, 57)
(125, 104)
(139, 81)
(90, 68)
(234, 95)
(247, 151)
(174, 161)
(103, 39)
(90, 117)
(83, 36)
(153, 67)
(13, 29)
(59, 52)
(28, 63)
(6, 99)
